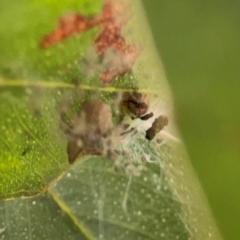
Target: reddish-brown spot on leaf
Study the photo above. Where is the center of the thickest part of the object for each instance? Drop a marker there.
(69, 25)
(112, 19)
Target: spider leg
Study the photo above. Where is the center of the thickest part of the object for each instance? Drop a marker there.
(146, 116)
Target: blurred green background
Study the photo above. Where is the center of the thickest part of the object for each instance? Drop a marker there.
(199, 43)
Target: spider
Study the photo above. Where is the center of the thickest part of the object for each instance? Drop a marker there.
(92, 131)
(136, 105)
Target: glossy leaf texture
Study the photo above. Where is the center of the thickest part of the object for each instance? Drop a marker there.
(65, 62)
(33, 151)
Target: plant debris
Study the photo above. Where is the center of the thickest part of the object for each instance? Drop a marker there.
(90, 130)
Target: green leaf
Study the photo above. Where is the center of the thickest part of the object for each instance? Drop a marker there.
(114, 206)
(101, 205)
(146, 192)
(31, 84)
(38, 218)
(36, 84)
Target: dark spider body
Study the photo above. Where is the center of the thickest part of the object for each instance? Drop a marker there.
(136, 105)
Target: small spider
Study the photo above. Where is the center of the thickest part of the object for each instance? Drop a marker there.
(136, 105)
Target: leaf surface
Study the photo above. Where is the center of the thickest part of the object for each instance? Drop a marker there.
(32, 81)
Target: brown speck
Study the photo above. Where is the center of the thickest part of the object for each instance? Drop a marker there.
(159, 141)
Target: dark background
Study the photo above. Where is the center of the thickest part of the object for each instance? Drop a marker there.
(199, 43)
